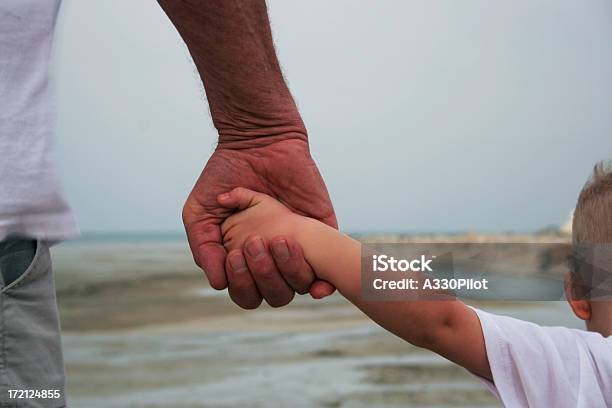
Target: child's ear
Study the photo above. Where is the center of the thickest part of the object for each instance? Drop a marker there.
(580, 306)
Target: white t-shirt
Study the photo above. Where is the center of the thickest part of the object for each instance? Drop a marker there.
(31, 201)
(535, 366)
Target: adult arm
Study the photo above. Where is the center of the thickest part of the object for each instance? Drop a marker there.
(263, 145)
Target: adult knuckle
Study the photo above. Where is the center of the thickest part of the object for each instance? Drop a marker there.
(242, 285)
(264, 270)
(280, 301)
(302, 286)
(250, 306)
(217, 282)
(249, 303)
(300, 279)
(289, 267)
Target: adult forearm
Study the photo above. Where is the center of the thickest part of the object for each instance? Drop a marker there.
(231, 44)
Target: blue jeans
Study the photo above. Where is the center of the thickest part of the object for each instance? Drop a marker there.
(16, 255)
(31, 361)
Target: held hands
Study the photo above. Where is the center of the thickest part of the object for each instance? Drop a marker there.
(271, 270)
(262, 224)
(259, 213)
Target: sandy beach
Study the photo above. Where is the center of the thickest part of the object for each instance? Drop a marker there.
(142, 328)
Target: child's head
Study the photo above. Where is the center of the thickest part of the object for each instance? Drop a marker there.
(592, 239)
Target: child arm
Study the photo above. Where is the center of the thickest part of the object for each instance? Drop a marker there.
(448, 327)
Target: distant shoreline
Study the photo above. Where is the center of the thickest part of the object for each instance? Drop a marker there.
(544, 236)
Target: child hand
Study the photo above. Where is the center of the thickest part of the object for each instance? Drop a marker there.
(259, 214)
(265, 221)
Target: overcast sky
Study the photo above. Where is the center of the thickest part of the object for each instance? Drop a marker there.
(422, 115)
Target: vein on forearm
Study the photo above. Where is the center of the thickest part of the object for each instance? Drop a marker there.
(231, 44)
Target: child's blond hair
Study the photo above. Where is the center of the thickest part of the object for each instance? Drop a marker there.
(592, 229)
(592, 222)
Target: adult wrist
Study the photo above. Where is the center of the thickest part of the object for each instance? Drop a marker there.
(249, 142)
(254, 131)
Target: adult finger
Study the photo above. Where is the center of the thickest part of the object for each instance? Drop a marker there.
(289, 260)
(242, 288)
(204, 236)
(270, 283)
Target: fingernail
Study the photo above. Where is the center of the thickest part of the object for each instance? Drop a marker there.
(237, 263)
(224, 197)
(255, 248)
(280, 250)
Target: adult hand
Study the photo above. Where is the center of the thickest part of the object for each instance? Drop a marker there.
(283, 169)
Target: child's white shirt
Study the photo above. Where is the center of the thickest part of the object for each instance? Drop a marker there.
(536, 366)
